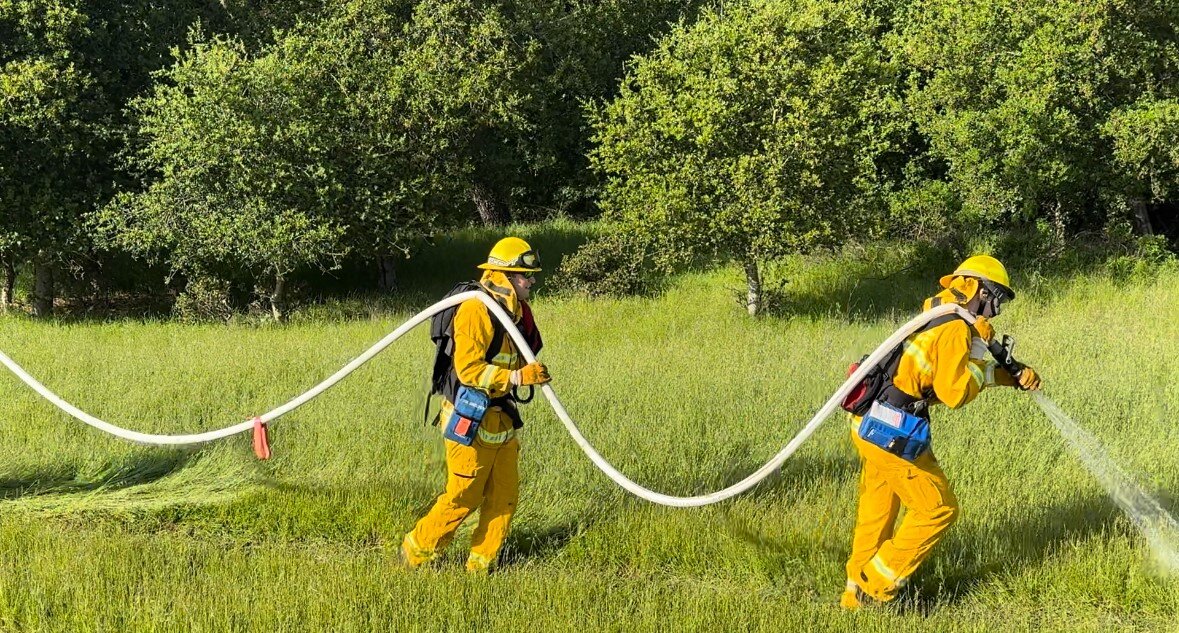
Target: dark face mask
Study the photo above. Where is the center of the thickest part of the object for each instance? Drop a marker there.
(990, 300)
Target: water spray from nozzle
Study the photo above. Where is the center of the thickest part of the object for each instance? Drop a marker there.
(1160, 529)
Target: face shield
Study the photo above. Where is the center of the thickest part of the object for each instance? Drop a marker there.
(991, 298)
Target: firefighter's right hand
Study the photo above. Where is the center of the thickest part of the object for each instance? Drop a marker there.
(533, 374)
(1028, 379)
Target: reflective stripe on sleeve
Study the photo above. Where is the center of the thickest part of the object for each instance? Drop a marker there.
(486, 377)
(976, 373)
(978, 348)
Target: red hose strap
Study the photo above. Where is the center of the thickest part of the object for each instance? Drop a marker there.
(261, 444)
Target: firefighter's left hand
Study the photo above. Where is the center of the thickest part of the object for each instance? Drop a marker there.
(984, 328)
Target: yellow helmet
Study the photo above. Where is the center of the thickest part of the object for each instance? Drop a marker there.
(982, 267)
(512, 255)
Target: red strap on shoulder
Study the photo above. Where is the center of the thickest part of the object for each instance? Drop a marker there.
(528, 328)
(261, 443)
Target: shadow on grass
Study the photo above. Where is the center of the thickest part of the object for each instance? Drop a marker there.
(526, 545)
(860, 296)
(798, 473)
(143, 468)
(350, 291)
(969, 557)
(861, 283)
(1003, 548)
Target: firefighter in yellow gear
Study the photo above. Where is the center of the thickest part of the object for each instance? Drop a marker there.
(943, 364)
(485, 474)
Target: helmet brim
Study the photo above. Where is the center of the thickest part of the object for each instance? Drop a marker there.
(948, 279)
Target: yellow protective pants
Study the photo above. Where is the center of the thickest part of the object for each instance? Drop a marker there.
(484, 476)
(883, 559)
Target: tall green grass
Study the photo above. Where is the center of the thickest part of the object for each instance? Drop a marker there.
(680, 391)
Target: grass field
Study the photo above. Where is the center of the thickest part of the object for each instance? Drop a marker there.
(680, 391)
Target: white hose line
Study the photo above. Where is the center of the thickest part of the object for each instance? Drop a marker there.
(200, 438)
(518, 339)
(766, 470)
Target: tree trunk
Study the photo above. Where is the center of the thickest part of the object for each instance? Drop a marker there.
(43, 292)
(753, 281)
(8, 269)
(1056, 220)
(278, 305)
(386, 274)
(491, 211)
(1139, 216)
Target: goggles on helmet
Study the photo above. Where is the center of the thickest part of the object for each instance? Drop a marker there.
(530, 259)
(527, 259)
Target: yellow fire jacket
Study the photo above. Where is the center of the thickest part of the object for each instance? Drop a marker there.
(473, 333)
(948, 361)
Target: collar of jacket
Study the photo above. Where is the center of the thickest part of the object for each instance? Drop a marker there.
(961, 291)
(496, 283)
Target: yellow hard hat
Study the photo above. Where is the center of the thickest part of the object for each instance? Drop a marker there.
(512, 255)
(983, 267)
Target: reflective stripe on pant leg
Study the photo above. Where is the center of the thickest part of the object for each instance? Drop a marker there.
(883, 569)
(495, 517)
(878, 579)
(415, 554)
(495, 438)
(496, 429)
(478, 562)
(876, 509)
(468, 469)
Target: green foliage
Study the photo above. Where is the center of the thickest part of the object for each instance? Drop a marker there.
(1014, 99)
(750, 134)
(582, 48)
(205, 298)
(241, 185)
(357, 134)
(67, 71)
(297, 157)
(42, 134)
(613, 264)
(1145, 139)
(283, 138)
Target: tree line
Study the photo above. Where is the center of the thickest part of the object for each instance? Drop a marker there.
(230, 143)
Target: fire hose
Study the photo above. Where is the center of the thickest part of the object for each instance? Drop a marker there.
(875, 358)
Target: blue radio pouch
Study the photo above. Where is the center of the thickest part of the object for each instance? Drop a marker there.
(469, 407)
(902, 434)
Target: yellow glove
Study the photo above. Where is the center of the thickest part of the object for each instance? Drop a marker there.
(1028, 379)
(532, 374)
(984, 328)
